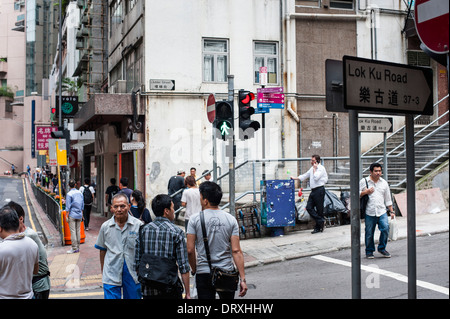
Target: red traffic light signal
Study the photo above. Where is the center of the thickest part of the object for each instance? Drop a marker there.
(247, 126)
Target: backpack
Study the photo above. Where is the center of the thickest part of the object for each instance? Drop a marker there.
(87, 196)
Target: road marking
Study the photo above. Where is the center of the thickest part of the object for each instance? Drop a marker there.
(28, 207)
(386, 273)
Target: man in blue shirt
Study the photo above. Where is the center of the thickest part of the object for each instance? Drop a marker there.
(75, 206)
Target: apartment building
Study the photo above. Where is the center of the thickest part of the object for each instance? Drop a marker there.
(12, 84)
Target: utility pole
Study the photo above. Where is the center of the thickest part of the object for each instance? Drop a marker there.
(232, 146)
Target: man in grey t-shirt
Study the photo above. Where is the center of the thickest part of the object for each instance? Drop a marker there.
(223, 240)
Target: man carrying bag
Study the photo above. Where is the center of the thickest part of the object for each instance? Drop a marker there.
(160, 253)
(218, 248)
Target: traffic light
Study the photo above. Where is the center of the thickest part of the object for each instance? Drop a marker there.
(53, 114)
(62, 133)
(247, 126)
(224, 119)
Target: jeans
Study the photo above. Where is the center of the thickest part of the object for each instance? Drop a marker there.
(383, 225)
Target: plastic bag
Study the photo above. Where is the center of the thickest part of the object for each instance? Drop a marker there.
(332, 204)
(302, 213)
(393, 228)
(193, 288)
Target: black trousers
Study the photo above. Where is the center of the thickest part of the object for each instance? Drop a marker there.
(205, 290)
(87, 215)
(315, 206)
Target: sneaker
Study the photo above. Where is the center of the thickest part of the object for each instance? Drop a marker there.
(86, 229)
(71, 251)
(385, 254)
(370, 256)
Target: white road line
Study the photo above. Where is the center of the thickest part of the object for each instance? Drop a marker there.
(386, 273)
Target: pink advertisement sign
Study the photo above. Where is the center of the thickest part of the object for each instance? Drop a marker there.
(43, 133)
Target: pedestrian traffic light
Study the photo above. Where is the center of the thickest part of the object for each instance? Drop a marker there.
(62, 133)
(224, 119)
(247, 126)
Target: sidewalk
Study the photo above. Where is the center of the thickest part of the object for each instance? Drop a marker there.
(81, 271)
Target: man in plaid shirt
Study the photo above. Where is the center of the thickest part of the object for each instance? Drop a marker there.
(162, 238)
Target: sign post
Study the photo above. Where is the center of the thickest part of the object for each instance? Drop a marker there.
(211, 114)
(385, 88)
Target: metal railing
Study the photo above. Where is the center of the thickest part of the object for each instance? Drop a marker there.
(50, 207)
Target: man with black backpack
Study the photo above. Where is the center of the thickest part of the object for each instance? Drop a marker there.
(88, 196)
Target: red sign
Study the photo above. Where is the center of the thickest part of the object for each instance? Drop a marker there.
(43, 133)
(211, 108)
(431, 19)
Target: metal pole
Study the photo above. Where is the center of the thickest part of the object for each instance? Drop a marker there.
(354, 203)
(385, 165)
(411, 207)
(231, 164)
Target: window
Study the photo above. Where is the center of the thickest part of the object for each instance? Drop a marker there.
(341, 4)
(116, 15)
(215, 60)
(307, 3)
(266, 54)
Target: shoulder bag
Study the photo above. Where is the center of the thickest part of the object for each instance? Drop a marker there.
(221, 280)
(363, 202)
(158, 272)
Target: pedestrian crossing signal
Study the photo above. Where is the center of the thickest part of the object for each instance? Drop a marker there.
(224, 119)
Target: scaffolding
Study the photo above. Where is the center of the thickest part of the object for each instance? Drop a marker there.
(92, 43)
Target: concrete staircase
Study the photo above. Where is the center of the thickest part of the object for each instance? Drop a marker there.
(431, 150)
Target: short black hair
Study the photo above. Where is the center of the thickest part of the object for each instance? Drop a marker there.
(9, 220)
(113, 181)
(87, 180)
(212, 192)
(19, 210)
(316, 157)
(71, 183)
(373, 165)
(124, 181)
(161, 202)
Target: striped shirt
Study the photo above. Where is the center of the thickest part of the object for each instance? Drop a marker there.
(165, 239)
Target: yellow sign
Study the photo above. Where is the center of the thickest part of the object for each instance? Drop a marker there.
(61, 156)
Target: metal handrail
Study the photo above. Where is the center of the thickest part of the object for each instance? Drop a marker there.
(403, 127)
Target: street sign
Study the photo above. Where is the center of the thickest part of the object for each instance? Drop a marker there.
(384, 87)
(263, 75)
(270, 98)
(43, 133)
(211, 108)
(69, 106)
(431, 18)
(158, 84)
(334, 86)
(131, 146)
(375, 124)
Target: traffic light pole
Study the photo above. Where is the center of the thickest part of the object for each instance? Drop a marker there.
(231, 164)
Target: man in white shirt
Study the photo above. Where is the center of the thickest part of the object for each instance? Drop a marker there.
(19, 258)
(318, 176)
(376, 214)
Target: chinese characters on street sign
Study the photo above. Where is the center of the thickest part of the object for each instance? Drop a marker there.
(42, 136)
(376, 86)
